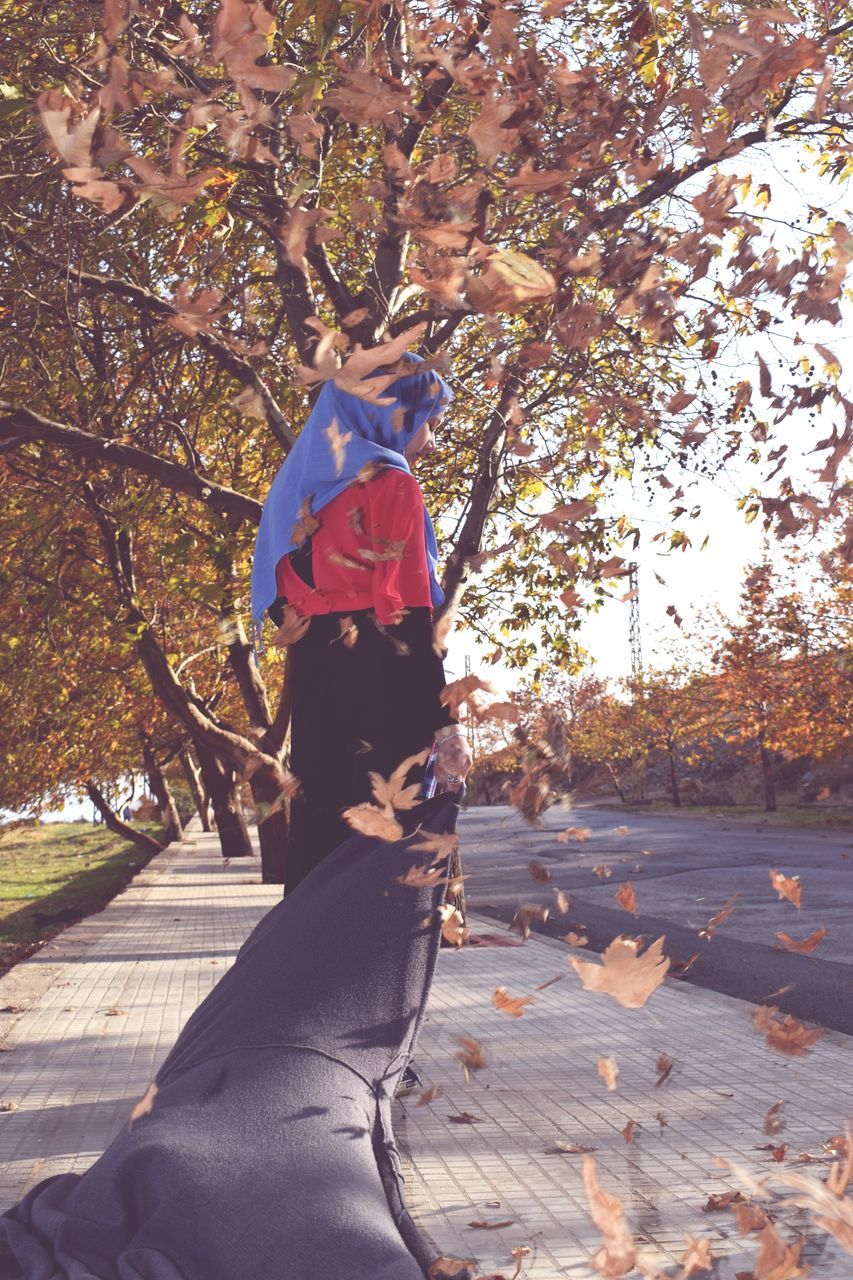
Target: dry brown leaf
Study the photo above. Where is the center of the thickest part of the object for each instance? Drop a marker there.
(723, 914)
(441, 845)
(561, 902)
(524, 914)
(421, 877)
(805, 945)
(568, 1149)
(392, 792)
(609, 1071)
(787, 887)
(306, 523)
(293, 627)
(574, 833)
(626, 897)
(464, 1117)
(144, 1105)
(628, 1131)
(773, 1122)
(603, 871)
(427, 1096)
(696, 1257)
(338, 441)
(506, 1003)
(777, 1260)
(790, 1036)
(625, 976)
(510, 282)
(368, 820)
(540, 874)
(459, 691)
(724, 1200)
(576, 939)
(471, 1055)
(664, 1065)
(491, 1226)
(453, 927)
(451, 1268)
(617, 1254)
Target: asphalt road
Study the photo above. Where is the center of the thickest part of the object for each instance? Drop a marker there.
(683, 870)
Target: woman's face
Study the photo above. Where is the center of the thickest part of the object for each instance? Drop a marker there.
(423, 441)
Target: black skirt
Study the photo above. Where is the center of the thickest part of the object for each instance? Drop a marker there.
(356, 708)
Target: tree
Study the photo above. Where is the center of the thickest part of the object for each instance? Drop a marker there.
(545, 198)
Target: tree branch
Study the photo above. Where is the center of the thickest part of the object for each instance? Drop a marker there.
(22, 426)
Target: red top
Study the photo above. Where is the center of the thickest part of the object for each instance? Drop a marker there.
(368, 553)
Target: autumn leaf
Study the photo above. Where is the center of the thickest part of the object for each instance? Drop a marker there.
(369, 820)
(609, 1071)
(293, 627)
(617, 1254)
(506, 1003)
(540, 874)
(717, 919)
(568, 1149)
(804, 945)
(626, 897)
(144, 1105)
(523, 916)
(576, 939)
(427, 1096)
(790, 1036)
(696, 1257)
(624, 975)
(451, 1268)
(574, 833)
(777, 1260)
(458, 691)
(787, 887)
(749, 1218)
(453, 927)
(464, 1117)
(628, 1131)
(561, 902)
(773, 1122)
(421, 877)
(603, 871)
(723, 1200)
(471, 1055)
(338, 441)
(665, 1065)
(491, 1226)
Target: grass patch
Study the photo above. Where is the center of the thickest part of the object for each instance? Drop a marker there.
(55, 874)
(787, 815)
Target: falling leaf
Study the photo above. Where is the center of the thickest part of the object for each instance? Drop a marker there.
(306, 524)
(603, 871)
(144, 1105)
(665, 1065)
(421, 877)
(805, 945)
(624, 975)
(293, 627)
(442, 845)
(115, 1013)
(459, 691)
(9, 1106)
(540, 874)
(790, 1036)
(451, 1268)
(491, 1226)
(777, 1260)
(549, 982)
(621, 831)
(696, 1257)
(73, 145)
(773, 1122)
(472, 1055)
(453, 928)
(561, 902)
(576, 939)
(626, 897)
(787, 887)
(427, 1096)
(749, 1217)
(392, 792)
(523, 916)
(368, 820)
(574, 833)
(617, 1254)
(628, 1131)
(723, 914)
(608, 1071)
(514, 1006)
(338, 442)
(510, 282)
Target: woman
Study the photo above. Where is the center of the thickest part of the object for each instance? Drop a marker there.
(346, 560)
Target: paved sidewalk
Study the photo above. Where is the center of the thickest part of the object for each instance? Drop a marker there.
(95, 1011)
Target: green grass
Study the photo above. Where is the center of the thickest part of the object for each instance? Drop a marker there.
(784, 816)
(54, 874)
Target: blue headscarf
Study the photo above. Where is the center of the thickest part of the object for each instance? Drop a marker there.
(311, 472)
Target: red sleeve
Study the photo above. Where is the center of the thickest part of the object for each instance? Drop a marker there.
(395, 520)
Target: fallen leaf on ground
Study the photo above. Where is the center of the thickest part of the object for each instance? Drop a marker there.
(804, 946)
(723, 1200)
(790, 1036)
(576, 939)
(451, 1268)
(568, 1149)
(787, 887)
(523, 916)
(696, 1257)
(621, 831)
(464, 1117)
(471, 1055)
(9, 1106)
(625, 976)
(626, 897)
(609, 1071)
(664, 1067)
(144, 1105)
(513, 1005)
(540, 874)
(617, 1254)
(603, 871)
(628, 1131)
(561, 902)
(491, 1226)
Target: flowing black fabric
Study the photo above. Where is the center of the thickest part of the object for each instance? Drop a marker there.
(268, 1153)
(355, 709)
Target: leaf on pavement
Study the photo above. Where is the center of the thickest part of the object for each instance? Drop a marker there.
(626, 897)
(803, 946)
(491, 1226)
(568, 1149)
(749, 1217)
(724, 1200)
(789, 1036)
(625, 976)
(540, 874)
(787, 887)
(574, 833)
(665, 1065)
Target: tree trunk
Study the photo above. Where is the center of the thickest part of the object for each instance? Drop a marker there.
(611, 770)
(769, 780)
(169, 815)
(673, 777)
(221, 785)
(200, 799)
(274, 831)
(111, 820)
